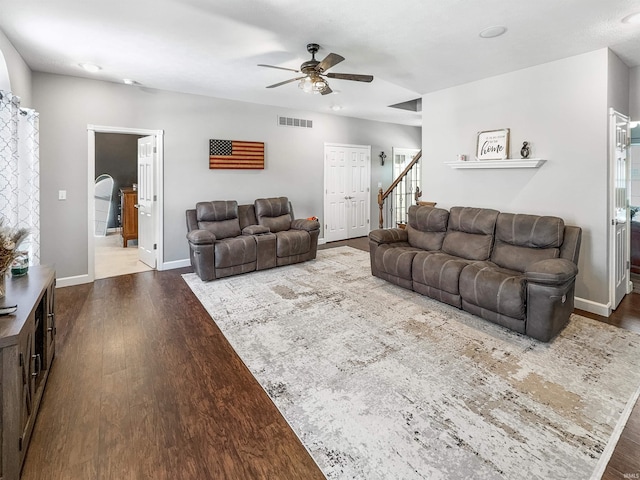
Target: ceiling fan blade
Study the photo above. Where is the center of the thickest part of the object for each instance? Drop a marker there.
(350, 76)
(328, 62)
(285, 82)
(327, 90)
(279, 68)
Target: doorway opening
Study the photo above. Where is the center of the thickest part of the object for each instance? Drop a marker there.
(114, 247)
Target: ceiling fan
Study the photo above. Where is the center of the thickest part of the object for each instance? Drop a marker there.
(313, 80)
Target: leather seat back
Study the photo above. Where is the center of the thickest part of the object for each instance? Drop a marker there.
(470, 232)
(219, 217)
(274, 213)
(522, 240)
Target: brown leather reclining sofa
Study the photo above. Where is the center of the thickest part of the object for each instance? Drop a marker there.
(228, 239)
(515, 270)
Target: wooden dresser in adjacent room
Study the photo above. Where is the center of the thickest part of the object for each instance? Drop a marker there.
(27, 346)
(128, 214)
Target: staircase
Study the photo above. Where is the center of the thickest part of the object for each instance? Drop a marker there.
(403, 192)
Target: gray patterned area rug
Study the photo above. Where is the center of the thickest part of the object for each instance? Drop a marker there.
(382, 383)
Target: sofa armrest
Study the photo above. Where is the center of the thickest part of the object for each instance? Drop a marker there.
(201, 237)
(255, 230)
(304, 224)
(554, 271)
(389, 235)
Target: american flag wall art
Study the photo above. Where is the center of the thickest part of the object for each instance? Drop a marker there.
(236, 154)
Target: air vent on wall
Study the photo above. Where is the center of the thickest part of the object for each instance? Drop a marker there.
(294, 122)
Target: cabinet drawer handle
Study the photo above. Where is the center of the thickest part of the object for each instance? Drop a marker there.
(52, 328)
(38, 360)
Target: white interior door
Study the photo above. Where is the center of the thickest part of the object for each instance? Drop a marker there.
(146, 201)
(620, 268)
(347, 176)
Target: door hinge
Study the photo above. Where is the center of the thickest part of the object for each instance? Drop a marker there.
(367, 221)
(155, 149)
(155, 198)
(628, 265)
(155, 246)
(326, 227)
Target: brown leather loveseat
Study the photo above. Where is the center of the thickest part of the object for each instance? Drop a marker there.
(228, 239)
(515, 270)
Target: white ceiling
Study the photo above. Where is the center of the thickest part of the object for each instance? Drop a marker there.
(212, 47)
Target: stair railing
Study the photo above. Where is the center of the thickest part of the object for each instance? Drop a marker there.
(383, 195)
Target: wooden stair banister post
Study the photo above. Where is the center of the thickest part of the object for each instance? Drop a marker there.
(380, 205)
(382, 196)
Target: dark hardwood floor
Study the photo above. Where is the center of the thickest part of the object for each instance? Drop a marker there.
(144, 385)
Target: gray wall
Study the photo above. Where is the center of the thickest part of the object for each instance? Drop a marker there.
(294, 156)
(561, 109)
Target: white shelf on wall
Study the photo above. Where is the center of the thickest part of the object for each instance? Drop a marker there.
(508, 163)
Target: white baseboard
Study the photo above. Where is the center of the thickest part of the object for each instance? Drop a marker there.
(175, 264)
(321, 241)
(592, 307)
(71, 281)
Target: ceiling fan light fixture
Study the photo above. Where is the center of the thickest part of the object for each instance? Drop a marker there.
(319, 85)
(306, 85)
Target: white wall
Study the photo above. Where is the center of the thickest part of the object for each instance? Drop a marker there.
(294, 156)
(18, 72)
(561, 109)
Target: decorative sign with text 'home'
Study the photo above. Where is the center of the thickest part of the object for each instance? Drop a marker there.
(235, 154)
(493, 145)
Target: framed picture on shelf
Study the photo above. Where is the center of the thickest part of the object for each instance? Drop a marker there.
(493, 145)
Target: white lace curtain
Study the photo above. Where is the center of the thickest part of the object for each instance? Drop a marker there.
(20, 171)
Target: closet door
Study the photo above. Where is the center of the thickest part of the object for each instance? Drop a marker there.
(347, 178)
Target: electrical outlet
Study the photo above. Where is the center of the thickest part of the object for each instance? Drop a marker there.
(62, 194)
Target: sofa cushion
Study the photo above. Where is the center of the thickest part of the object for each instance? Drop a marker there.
(490, 287)
(292, 242)
(273, 213)
(470, 232)
(522, 240)
(438, 270)
(427, 227)
(395, 259)
(219, 217)
(235, 251)
(530, 230)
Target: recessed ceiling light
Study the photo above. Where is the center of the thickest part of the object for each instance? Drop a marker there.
(90, 67)
(128, 81)
(336, 108)
(633, 18)
(494, 31)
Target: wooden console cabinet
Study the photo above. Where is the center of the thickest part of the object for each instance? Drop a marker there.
(128, 214)
(27, 347)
